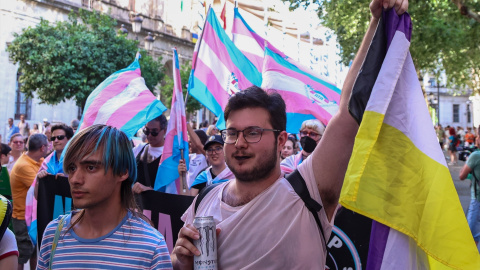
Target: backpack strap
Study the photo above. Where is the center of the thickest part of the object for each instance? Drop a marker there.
(202, 195)
(298, 183)
(475, 184)
(61, 223)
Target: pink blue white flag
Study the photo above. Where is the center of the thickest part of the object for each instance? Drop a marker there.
(122, 101)
(251, 44)
(219, 69)
(306, 95)
(176, 139)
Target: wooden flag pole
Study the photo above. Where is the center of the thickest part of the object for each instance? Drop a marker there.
(183, 175)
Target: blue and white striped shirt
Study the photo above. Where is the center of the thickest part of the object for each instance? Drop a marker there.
(133, 244)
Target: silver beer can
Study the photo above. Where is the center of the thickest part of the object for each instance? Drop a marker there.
(206, 244)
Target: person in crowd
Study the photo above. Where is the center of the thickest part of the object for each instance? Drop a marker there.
(204, 126)
(311, 133)
(48, 132)
(460, 134)
(218, 171)
(469, 137)
(18, 147)
(148, 155)
(5, 189)
(21, 178)
(8, 244)
(23, 127)
(11, 129)
(212, 130)
(259, 197)
(108, 231)
(35, 129)
(197, 160)
(453, 142)
(74, 125)
(61, 134)
(471, 169)
(45, 123)
(440, 135)
(289, 148)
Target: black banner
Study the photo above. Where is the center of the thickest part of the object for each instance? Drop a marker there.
(349, 242)
(165, 211)
(53, 199)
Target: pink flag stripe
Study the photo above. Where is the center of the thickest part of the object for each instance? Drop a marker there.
(298, 103)
(208, 77)
(274, 66)
(212, 40)
(113, 89)
(141, 101)
(240, 28)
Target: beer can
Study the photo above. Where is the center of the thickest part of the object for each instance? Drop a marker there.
(206, 244)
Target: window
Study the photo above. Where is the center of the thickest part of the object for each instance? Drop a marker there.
(456, 113)
(23, 104)
(469, 114)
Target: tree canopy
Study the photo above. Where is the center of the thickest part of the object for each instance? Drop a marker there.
(446, 34)
(65, 60)
(167, 90)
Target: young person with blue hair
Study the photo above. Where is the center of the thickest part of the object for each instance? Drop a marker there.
(108, 231)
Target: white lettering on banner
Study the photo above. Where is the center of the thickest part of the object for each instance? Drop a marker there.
(335, 242)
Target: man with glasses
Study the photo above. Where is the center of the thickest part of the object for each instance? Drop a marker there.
(263, 223)
(218, 171)
(311, 132)
(21, 178)
(148, 155)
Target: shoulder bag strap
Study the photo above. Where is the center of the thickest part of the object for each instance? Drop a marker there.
(55, 240)
(202, 195)
(298, 183)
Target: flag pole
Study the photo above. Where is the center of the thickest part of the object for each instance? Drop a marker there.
(183, 176)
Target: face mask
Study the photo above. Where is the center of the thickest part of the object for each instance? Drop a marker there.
(308, 144)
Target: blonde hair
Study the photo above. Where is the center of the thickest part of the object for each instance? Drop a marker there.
(313, 124)
(210, 129)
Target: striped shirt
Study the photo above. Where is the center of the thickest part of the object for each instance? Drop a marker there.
(133, 244)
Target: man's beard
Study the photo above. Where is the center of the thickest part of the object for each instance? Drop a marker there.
(260, 171)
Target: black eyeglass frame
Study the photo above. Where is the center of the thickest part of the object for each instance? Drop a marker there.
(147, 132)
(59, 137)
(224, 135)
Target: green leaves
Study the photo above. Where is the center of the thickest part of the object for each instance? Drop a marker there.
(64, 60)
(442, 38)
(167, 89)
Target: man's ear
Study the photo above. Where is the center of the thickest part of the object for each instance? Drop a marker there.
(282, 139)
(124, 176)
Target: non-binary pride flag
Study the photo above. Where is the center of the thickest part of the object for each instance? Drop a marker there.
(122, 101)
(306, 95)
(176, 139)
(219, 69)
(397, 173)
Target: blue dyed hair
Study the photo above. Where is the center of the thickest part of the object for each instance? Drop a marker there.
(117, 155)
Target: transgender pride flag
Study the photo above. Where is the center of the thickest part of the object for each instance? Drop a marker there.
(122, 101)
(219, 69)
(306, 95)
(249, 42)
(176, 139)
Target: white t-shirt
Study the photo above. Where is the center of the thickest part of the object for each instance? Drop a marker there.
(153, 152)
(8, 245)
(275, 230)
(198, 162)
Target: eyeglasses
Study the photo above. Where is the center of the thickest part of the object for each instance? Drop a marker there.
(310, 134)
(154, 133)
(217, 150)
(18, 142)
(250, 134)
(59, 137)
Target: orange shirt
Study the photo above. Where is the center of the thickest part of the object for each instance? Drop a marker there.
(469, 137)
(21, 178)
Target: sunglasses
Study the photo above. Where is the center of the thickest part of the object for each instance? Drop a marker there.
(60, 137)
(147, 132)
(18, 142)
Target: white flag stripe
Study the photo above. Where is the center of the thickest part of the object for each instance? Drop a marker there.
(248, 44)
(210, 59)
(134, 88)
